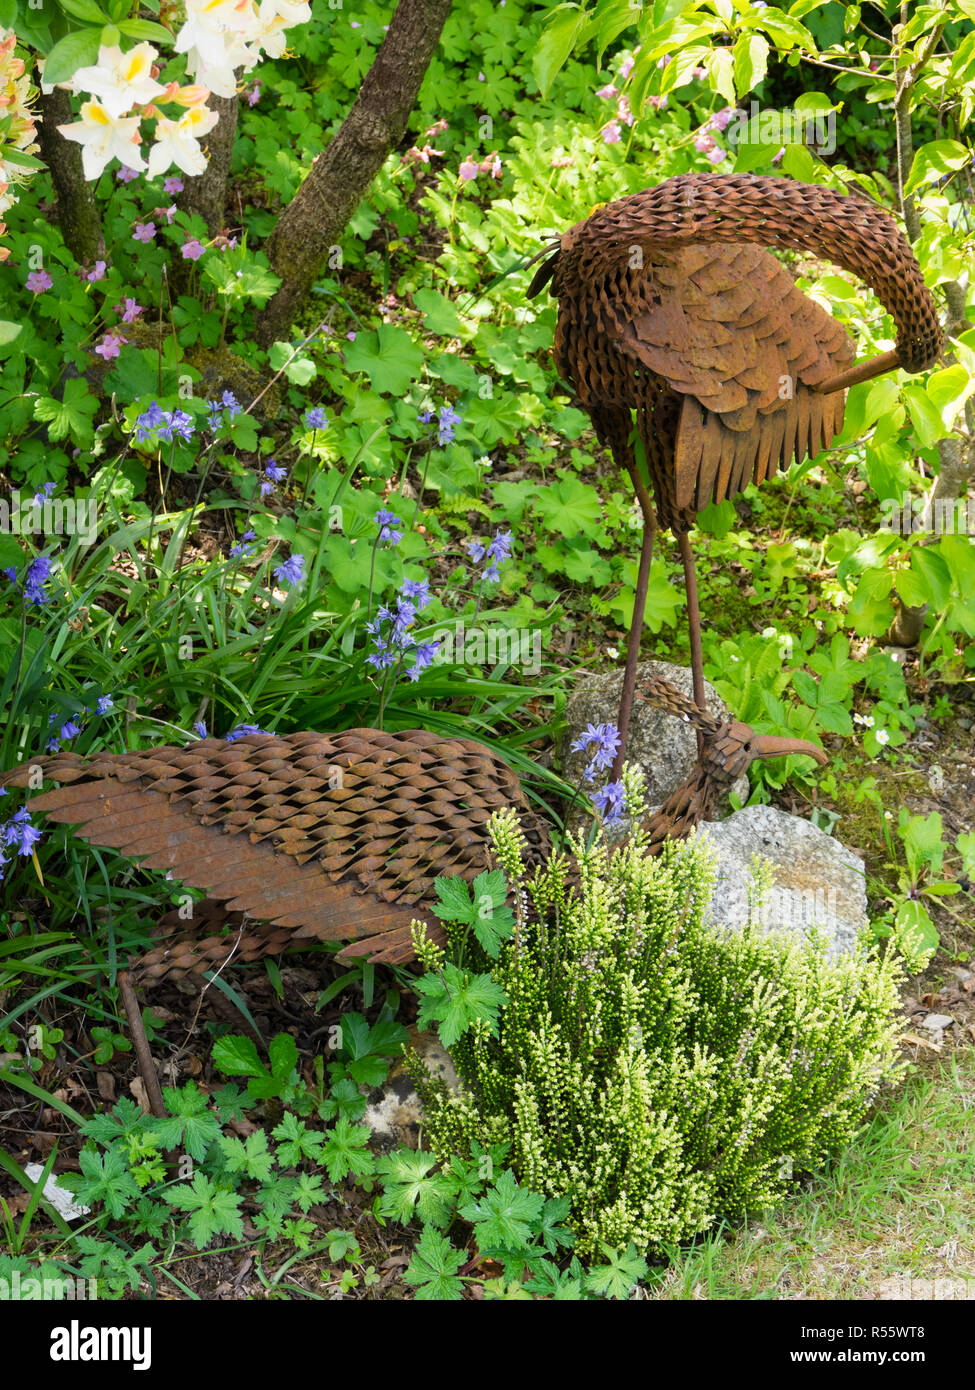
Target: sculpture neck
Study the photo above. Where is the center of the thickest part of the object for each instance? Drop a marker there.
(778, 212)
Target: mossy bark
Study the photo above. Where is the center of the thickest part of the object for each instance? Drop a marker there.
(76, 208)
(316, 217)
(206, 196)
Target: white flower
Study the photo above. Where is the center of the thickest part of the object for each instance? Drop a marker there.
(103, 138)
(178, 142)
(287, 10)
(882, 736)
(120, 80)
(867, 720)
(612, 653)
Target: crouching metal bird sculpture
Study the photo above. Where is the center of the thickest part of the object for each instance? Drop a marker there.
(669, 305)
(328, 837)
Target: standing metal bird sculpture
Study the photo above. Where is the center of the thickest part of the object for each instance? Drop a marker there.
(669, 306)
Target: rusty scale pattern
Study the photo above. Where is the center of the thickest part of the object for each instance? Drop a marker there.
(318, 837)
(669, 306)
(699, 331)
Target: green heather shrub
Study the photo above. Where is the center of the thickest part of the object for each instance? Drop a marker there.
(659, 1072)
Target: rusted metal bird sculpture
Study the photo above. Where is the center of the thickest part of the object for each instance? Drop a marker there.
(328, 837)
(339, 837)
(669, 305)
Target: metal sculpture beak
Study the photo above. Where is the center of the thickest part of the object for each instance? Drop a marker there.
(767, 746)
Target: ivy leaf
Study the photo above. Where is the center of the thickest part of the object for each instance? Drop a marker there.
(433, 1269)
(212, 1211)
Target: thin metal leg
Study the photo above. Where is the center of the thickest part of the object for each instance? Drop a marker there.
(639, 610)
(147, 1066)
(694, 625)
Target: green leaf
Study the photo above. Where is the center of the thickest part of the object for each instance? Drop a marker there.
(191, 1125)
(505, 1214)
(85, 10)
(454, 900)
(389, 356)
(569, 507)
(556, 43)
(104, 1179)
(237, 1056)
(345, 1151)
(934, 160)
(439, 313)
(750, 62)
(296, 1141)
(145, 29)
(913, 920)
(433, 1269)
(74, 51)
(212, 1211)
(251, 1156)
(720, 69)
(456, 999)
(616, 1278)
(412, 1189)
(72, 416)
(283, 1052)
(927, 581)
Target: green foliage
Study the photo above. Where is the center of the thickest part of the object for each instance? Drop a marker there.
(655, 1073)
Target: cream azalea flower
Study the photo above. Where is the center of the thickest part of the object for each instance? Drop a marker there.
(215, 38)
(178, 142)
(292, 13)
(120, 80)
(103, 137)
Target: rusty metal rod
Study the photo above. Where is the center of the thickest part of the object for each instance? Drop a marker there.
(136, 1027)
(860, 371)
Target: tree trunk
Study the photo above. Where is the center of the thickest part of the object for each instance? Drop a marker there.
(312, 223)
(206, 196)
(77, 212)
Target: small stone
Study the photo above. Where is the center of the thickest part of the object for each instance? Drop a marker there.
(937, 1021)
(395, 1112)
(817, 881)
(936, 778)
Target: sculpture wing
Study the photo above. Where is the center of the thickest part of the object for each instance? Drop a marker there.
(726, 328)
(324, 837)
